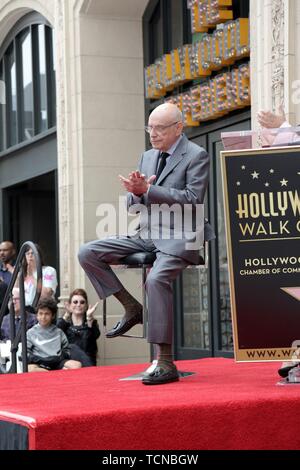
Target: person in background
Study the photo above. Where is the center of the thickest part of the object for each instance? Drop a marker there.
(81, 328)
(47, 345)
(30, 276)
(270, 120)
(30, 317)
(7, 261)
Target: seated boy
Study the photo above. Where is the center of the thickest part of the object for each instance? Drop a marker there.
(47, 345)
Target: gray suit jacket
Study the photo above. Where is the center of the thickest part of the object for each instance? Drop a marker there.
(183, 182)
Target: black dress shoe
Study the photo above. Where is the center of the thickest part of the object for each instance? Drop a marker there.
(124, 325)
(161, 376)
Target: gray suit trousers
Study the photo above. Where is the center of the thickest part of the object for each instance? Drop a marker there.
(95, 258)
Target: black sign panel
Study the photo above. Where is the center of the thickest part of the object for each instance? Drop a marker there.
(262, 205)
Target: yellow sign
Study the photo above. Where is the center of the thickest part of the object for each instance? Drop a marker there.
(198, 60)
(228, 43)
(207, 14)
(216, 97)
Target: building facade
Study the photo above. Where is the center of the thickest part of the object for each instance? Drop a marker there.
(73, 119)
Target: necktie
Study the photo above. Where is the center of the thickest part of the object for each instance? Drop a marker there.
(17, 323)
(162, 163)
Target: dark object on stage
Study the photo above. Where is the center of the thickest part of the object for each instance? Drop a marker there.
(284, 371)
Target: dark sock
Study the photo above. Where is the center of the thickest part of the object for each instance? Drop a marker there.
(165, 356)
(131, 305)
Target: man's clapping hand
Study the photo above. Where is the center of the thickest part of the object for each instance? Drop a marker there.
(136, 183)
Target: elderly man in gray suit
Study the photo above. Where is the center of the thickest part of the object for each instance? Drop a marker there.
(174, 171)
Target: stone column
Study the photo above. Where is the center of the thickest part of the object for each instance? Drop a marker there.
(275, 61)
(65, 153)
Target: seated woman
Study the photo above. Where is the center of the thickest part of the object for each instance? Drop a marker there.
(30, 276)
(81, 328)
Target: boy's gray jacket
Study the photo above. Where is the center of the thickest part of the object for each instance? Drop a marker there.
(45, 342)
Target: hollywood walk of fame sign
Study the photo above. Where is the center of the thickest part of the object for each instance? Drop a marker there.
(262, 213)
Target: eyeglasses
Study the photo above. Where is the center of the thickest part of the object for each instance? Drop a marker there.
(159, 129)
(81, 302)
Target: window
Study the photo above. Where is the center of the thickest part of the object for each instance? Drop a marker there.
(27, 126)
(27, 74)
(2, 106)
(42, 105)
(52, 77)
(11, 95)
(156, 32)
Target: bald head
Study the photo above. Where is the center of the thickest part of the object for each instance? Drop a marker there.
(16, 292)
(168, 111)
(165, 125)
(7, 251)
(16, 300)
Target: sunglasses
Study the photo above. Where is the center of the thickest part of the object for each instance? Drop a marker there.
(81, 302)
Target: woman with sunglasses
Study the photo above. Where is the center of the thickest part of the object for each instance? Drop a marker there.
(81, 328)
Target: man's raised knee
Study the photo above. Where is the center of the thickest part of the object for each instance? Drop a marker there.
(84, 253)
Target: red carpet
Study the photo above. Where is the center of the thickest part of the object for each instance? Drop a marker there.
(224, 406)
